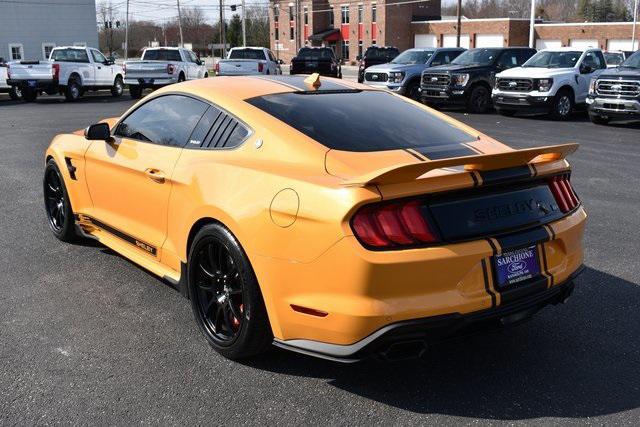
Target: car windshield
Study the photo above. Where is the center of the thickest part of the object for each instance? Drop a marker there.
(246, 54)
(550, 59)
(161, 55)
(366, 121)
(612, 58)
(69, 55)
(633, 61)
(413, 56)
(381, 54)
(477, 56)
(314, 54)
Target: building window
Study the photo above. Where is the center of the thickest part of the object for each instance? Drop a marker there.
(374, 13)
(276, 17)
(345, 14)
(16, 51)
(46, 49)
(373, 42)
(292, 34)
(345, 49)
(360, 48)
(360, 12)
(332, 17)
(305, 12)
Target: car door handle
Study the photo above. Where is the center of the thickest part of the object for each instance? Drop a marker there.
(155, 175)
(99, 68)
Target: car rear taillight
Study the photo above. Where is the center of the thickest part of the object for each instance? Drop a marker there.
(393, 226)
(562, 190)
(8, 71)
(124, 68)
(56, 71)
(260, 67)
(216, 68)
(170, 68)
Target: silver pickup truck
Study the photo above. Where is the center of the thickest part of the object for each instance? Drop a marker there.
(162, 66)
(13, 91)
(243, 61)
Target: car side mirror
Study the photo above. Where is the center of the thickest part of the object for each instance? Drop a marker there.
(280, 62)
(199, 62)
(585, 69)
(359, 58)
(98, 132)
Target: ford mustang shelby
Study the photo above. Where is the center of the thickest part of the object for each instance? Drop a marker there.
(322, 216)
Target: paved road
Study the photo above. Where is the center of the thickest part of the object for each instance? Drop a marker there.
(87, 337)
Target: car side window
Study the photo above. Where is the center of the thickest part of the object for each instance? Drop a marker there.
(166, 120)
(192, 57)
(593, 60)
(271, 57)
(508, 59)
(443, 58)
(98, 57)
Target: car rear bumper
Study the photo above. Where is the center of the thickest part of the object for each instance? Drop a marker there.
(38, 84)
(614, 107)
(150, 82)
(522, 102)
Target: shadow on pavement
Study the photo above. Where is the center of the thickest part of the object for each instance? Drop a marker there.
(576, 360)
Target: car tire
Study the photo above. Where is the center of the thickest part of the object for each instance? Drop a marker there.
(181, 78)
(57, 204)
(135, 91)
(225, 296)
(206, 76)
(598, 120)
(15, 93)
(413, 91)
(479, 100)
(507, 113)
(73, 91)
(118, 87)
(562, 106)
(29, 95)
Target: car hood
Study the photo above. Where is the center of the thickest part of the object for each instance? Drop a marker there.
(453, 68)
(621, 73)
(382, 68)
(536, 72)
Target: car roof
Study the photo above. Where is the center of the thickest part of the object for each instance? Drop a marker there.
(570, 49)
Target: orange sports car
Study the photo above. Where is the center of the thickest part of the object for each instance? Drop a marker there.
(321, 216)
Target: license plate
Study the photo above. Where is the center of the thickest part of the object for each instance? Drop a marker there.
(516, 266)
(312, 64)
(148, 81)
(31, 83)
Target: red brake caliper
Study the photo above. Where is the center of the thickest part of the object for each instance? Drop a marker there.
(236, 322)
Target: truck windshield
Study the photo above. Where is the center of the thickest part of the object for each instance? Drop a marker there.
(162, 55)
(247, 54)
(314, 54)
(69, 55)
(477, 57)
(632, 62)
(413, 56)
(548, 59)
(365, 121)
(381, 54)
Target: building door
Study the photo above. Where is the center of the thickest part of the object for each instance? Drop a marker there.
(583, 43)
(548, 44)
(621, 44)
(425, 40)
(489, 40)
(449, 40)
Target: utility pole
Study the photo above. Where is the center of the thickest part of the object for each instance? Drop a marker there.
(222, 32)
(180, 24)
(532, 21)
(635, 21)
(459, 15)
(244, 27)
(126, 33)
(297, 25)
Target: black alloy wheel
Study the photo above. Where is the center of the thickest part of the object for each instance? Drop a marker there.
(478, 100)
(57, 204)
(413, 91)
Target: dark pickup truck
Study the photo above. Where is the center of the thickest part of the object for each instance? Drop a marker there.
(615, 94)
(321, 60)
(375, 55)
(468, 79)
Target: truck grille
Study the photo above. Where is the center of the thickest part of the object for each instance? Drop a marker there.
(435, 81)
(376, 77)
(515, 85)
(618, 88)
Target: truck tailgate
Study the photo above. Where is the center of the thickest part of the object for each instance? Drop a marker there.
(30, 70)
(147, 69)
(240, 66)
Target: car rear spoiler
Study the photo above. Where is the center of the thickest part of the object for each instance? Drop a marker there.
(481, 162)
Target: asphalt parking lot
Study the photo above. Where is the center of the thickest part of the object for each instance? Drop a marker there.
(88, 337)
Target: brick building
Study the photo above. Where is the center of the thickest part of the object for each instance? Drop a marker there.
(348, 26)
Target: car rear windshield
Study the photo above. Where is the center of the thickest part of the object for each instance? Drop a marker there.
(162, 55)
(613, 58)
(69, 55)
(549, 59)
(315, 54)
(413, 56)
(381, 54)
(247, 54)
(363, 121)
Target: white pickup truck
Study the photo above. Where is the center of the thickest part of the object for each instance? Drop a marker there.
(161, 66)
(243, 61)
(13, 91)
(553, 81)
(70, 70)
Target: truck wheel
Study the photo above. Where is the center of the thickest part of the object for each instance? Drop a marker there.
(181, 78)
(15, 93)
(598, 120)
(206, 76)
(73, 91)
(562, 105)
(135, 91)
(413, 91)
(478, 101)
(117, 88)
(507, 113)
(29, 95)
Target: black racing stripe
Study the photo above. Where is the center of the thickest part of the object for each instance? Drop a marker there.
(535, 171)
(438, 152)
(521, 239)
(493, 246)
(508, 174)
(414, 155)
(298, 82)
(475, 179)
(552, 234)
(122, 235)
(545, 266)
(485, 274)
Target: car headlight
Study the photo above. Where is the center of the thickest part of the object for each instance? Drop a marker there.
(396, 76)
(544, 85)
(459, 79)
(592, 87)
